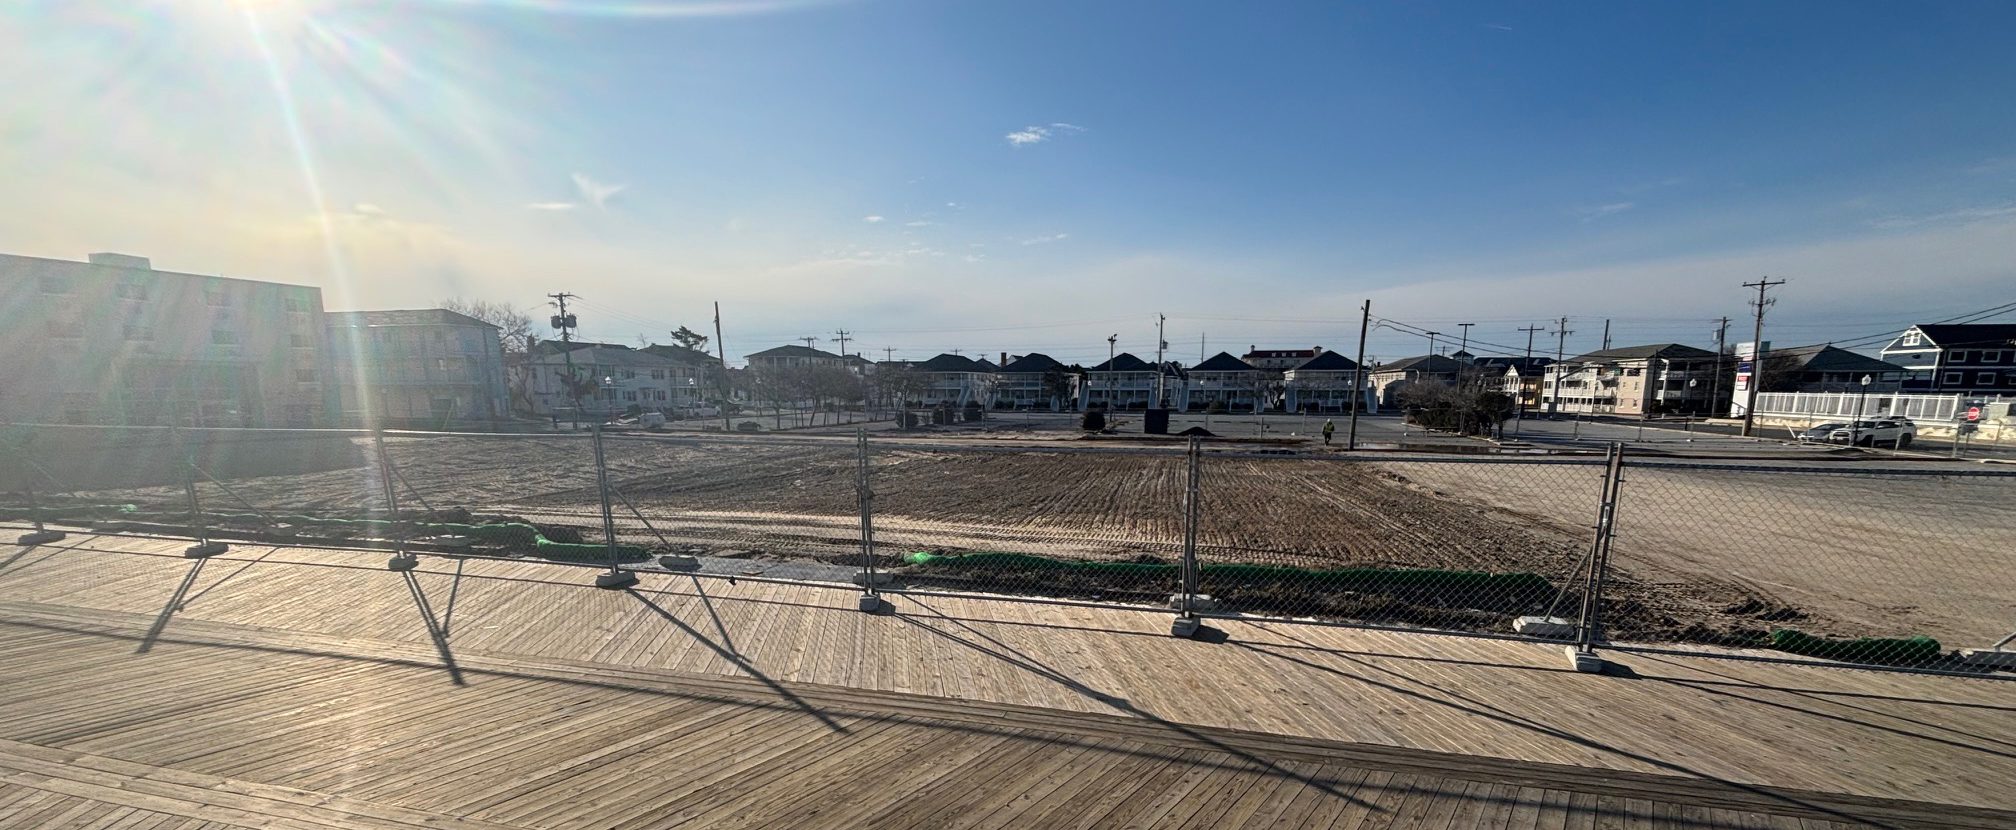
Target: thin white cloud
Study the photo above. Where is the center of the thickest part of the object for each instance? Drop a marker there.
(871, 219)
(952, 204)
(552, 206)
(919, 223)
(596, 193)
(1594, 213)
(975, 257)
(1499, 26)
(1039, 133)
(1963, 216)
(1040, 240)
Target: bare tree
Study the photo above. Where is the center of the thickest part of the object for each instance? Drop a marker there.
(514, 326)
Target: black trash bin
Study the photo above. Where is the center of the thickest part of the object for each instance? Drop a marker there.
(1155, 422)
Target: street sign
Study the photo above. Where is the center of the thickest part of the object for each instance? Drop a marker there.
(1973, 413)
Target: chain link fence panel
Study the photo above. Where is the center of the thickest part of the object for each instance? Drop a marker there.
(1411, 541)
(1898, 564)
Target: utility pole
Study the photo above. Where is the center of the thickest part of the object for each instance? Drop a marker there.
(1431, 347)
(1606, 334)
(721, 350)
(1756, 350)
(1200, 347)
(1111, 344)
(1161, 342)
(1520, 422)
(888, 353)
(809, 341)
(1466, 336)
(1715, 383)
(565, 323)
(1561, 332)
(843, 338)
(1358, 377)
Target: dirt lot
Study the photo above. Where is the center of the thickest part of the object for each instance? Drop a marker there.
(1701, 555)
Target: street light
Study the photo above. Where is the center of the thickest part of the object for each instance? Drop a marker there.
(1855, 426)
(1692, 383)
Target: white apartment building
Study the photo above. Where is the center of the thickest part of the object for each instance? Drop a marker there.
(415, 367)
(1227, 381)
(606, 380)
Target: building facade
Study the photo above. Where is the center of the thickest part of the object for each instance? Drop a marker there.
(1279, 360)
(114, 341)
(1389, 380)
(955, 380)
(1226, 383)
(603, 380)
(1324, 383)
(1126, 382)
(1639, 381)
(1035, 381)
(415, 367)
(1975, 359)
(793, 357)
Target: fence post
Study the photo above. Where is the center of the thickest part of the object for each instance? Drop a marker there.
(615, 577)
(871, 579)
(1590, 632)
(402, 559)
(41, 535)
(205, 546)
(1186, 623)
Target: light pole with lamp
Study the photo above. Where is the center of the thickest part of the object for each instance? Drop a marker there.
(1855, 426)
(1111, 343)
(1692, 385)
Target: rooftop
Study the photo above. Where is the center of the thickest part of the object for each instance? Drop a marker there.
(1951, 335)
(1328, 362)
(793, 351)
(1034, 363)
(1124, 362)
(298, 687)
(1223, 362)
(1663, 351)
(1432, 364)
(954, 363)
(403, 317)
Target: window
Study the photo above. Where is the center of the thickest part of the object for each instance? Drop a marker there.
(1953, 378)
(52, 284)
(1984, 379)
(630, 395)
(134, 332)
(629, 374)
(304, 375)
(1912, 339)
(223, 337)
(1959, 357)
(657, 374)
(132, 290)
(300, 341)
(1991, 357)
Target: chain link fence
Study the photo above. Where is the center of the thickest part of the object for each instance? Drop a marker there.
(1872, 563)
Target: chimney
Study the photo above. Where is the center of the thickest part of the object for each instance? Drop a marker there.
(1004, 358)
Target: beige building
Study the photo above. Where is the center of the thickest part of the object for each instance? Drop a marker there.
(418, 367)
(114, 341)
(1657, 379)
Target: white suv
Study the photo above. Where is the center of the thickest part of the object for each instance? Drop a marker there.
(1895, 430)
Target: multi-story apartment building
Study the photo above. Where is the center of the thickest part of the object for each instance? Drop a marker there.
(1324, 383)
(793, 357)
(1127, 382)
(1661, 378)
(606, 379)
(114, 341)
(415, 367)
(956, 380)
(1228, 382)
(1974, 359)
(1389, 379)
(1034, 381)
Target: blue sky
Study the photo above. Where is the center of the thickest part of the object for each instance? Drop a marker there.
(1034, 175)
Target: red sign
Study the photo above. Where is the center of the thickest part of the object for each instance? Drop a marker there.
(1973, 413)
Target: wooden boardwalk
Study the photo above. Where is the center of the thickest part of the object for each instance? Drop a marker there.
(314, 689)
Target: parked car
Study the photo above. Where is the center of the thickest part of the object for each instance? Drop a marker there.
(1822, 432)
(1895, 432)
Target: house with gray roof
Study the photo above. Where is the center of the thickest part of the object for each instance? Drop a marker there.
(1972, 359)
(1035, 381)
(1228, 382)
(1323, 383)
